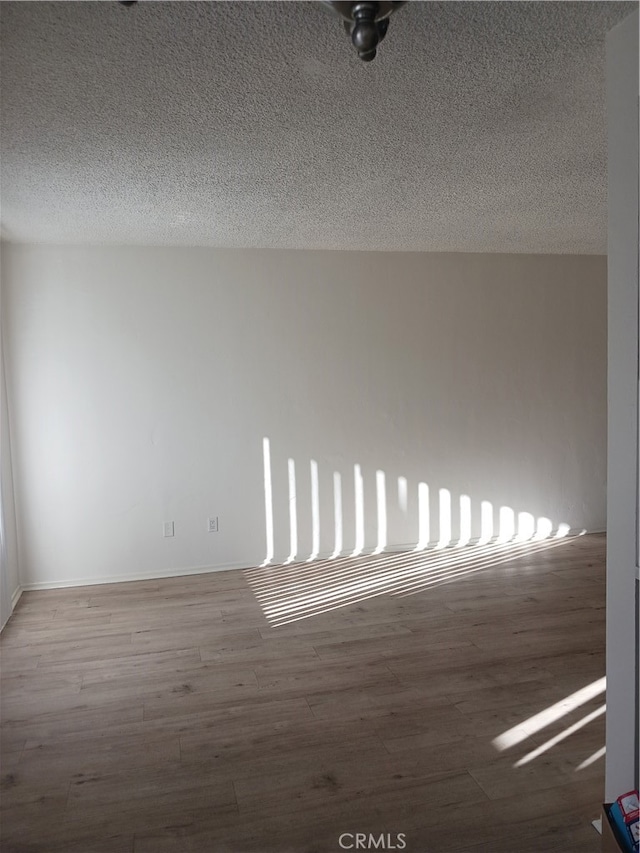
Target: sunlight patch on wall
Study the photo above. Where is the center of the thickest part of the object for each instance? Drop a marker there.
(293, 512)
(527, 529)
(507, 527)
(486, 522)
(337, 514)
(424, 532)
(544, 528)
(315, 511)
(526, 526)
(403, 494)
(381, 500)
(465, 521)
(445, 518)
(268, 500)
(358, 486)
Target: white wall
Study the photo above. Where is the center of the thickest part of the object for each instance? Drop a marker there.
(9, 567)
(143, 380)
(622, 522)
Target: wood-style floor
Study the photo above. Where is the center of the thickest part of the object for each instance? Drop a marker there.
(171, 716)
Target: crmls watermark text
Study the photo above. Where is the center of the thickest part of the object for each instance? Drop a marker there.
(369, 841)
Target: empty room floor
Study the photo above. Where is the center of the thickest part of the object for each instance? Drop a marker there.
(449, 702)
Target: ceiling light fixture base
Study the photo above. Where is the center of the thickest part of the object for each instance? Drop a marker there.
(366, 22)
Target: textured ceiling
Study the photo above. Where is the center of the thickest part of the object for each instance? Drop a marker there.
(479, 127)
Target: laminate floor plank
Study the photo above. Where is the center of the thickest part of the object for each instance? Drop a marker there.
(271, 710)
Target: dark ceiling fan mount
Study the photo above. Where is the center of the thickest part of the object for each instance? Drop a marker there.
(366, 21)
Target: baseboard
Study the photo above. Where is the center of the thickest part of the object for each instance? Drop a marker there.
(572, 532)
(168, 573)
(407, 547)
(134, 576)
(15, 598)
(321, 556)
(225, 567)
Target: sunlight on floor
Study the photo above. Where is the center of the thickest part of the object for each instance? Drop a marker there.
(296, 591)
(554, 713)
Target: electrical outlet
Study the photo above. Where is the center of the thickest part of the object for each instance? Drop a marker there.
(213, 525)
(167, 528)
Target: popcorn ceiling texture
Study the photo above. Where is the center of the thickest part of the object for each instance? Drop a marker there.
(479, 127)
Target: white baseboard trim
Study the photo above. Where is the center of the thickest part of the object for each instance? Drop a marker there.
(15, 598)
(201, 570)
(158, 574)
(407, 547)
(572, 532)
